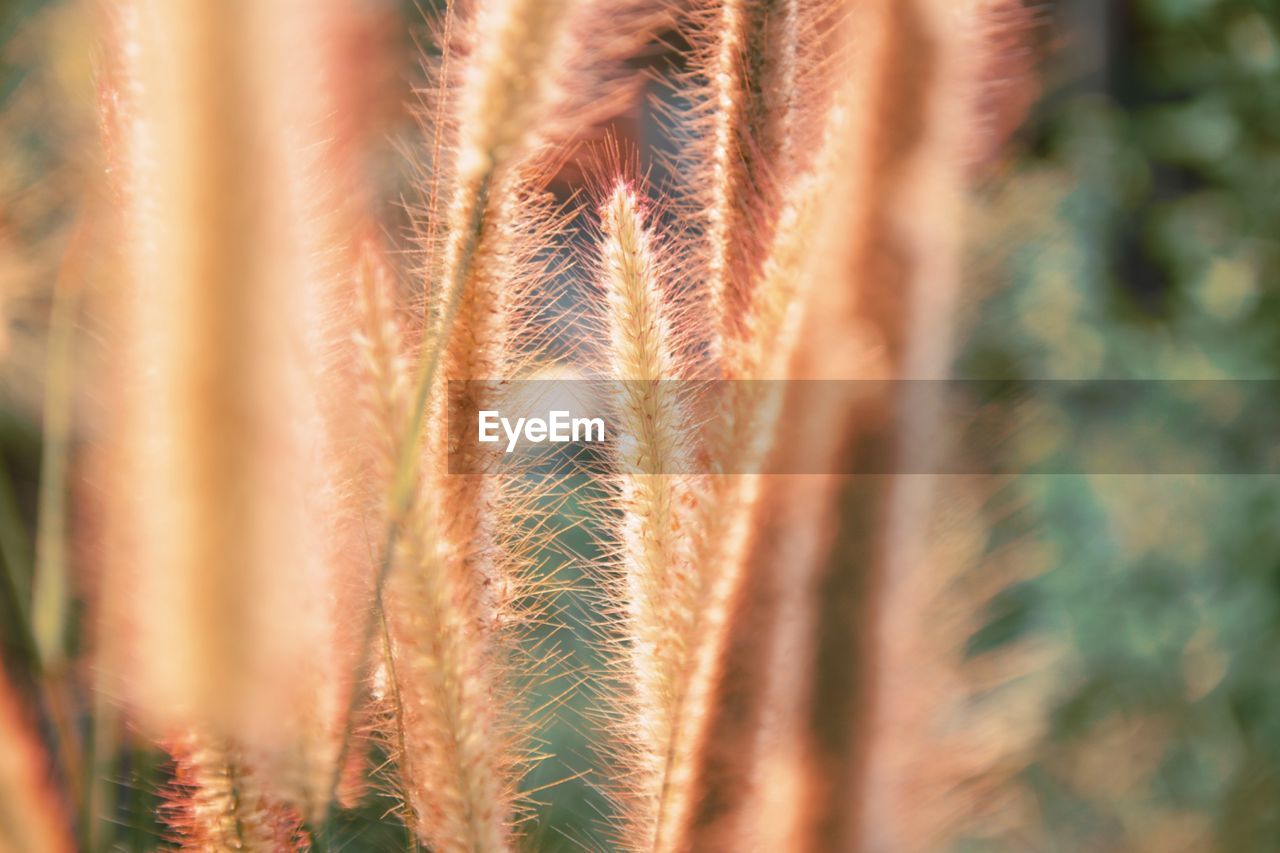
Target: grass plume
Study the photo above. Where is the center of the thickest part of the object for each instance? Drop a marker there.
(238, 523)
(216, 806)
(190, 279)
(656, 576)
(452, 591)
(753, 245)
(893, 166)
(321, 603)
(757, 76)
(489, 121)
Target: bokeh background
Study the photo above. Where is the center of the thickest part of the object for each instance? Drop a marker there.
(1129, 229)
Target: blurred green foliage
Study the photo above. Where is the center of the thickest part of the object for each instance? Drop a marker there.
(1136, 236)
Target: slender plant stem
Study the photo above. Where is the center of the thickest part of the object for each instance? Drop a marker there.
(55, 691)
(324, 837)
(100, 801)
(432, 353)
(394, 682)
(406, 472)
(50, 590)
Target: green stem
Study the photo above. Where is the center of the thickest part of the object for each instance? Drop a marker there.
(15, 554)
(50, 591)
(406, 477)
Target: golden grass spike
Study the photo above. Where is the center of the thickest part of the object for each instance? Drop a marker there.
(236, 523)
(963, 41)
(480, 346)
(454, 772)
(450, 599)
(793, 517)
(752, 72)
(326, 212)
(492, 116)
(760, 58)
(708, 753)
(640, 334)
(820, 773)
(193, 421)
(654, 439)
(214, 804)
(726, 161)
(459, 595)
(385, 386)
(443, 606)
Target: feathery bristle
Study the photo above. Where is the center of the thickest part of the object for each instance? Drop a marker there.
(641, 346)
(900, 177)
(450, 598)
(238, 518)
(753, 73)
(491, 117)
(454, 774)
(755, 242)
(458, 596)
(727, 517)
(215, 805)
(728, 95)
(655, 570)
(386, 369)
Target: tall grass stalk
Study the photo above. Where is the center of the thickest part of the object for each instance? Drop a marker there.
(748, 68)
(449, 599)
(900, 176)
(491, 116)
(708, 753)
(656, 576)
(51, 593)
(964, 44)
(233, 527)
(756, 55)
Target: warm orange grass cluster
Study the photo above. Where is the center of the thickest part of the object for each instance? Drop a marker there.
(291, 570)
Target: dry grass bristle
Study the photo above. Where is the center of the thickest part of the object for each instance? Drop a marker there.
(380, 341)
(487, 122)
(653, 447)
(216, 805)
(238, 523)
(737, 438)
(457, 594)
(757, 82)
(305, 561)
